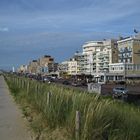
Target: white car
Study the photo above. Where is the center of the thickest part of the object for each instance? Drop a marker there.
(120, 91)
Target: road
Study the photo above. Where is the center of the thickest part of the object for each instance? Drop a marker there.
(133, 90)
(12, 124)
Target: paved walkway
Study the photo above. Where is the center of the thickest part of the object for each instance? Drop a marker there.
(12, 125)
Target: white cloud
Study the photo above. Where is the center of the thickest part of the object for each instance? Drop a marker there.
(4, 29)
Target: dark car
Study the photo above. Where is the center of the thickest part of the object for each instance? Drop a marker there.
(66, 82)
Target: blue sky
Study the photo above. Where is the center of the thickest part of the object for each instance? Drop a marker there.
(32, 28)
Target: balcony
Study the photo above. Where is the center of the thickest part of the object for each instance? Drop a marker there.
(100, 62)
(100, 56)
(106, 61)
(105, 66)
(106, 55)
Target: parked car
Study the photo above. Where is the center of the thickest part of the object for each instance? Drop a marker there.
(46, 80)
(76, 84)
(120, 92)
(66, 82)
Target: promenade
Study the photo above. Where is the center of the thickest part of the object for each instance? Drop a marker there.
(12, 125)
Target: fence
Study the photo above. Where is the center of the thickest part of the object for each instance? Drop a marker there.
(85, 116)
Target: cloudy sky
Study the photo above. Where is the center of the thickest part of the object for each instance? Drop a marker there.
(32, 28)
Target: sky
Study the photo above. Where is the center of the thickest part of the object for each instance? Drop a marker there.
(30, 29)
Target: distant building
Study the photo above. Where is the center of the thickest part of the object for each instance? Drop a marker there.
(45, 60)
(68, 67)
(80, 58)
(63, 67)
(22, 69)
(33, 67)
(47, 64)
(52, 67)
(43, 65)
(72, 67)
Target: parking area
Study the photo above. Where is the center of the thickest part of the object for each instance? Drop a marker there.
(108, 88)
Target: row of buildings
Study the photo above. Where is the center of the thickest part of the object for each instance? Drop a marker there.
(106, 60)
(43, 65)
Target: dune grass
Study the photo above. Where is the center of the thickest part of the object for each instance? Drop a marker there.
(100, 118)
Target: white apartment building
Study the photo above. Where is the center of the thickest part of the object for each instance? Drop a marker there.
(80, 58)
(63, 67)
(99, 54)
(90, 49)
(70, 67)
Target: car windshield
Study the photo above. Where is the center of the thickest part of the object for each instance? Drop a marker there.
(120, 88)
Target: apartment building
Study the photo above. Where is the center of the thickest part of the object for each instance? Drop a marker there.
(128, 57)
(46, 64)
(72, 67)
(45, 60)
(63, 67)
(107, 55)
(69, 67)
(107, 59)
(90, 50)
(33, 67)
(43, 65)
(22, 69)
(80, 58)
(99, 54)
(52, 67)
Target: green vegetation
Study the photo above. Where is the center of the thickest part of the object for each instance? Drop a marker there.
(100, 119)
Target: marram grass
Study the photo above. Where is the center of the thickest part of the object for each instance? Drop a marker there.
(100, 119)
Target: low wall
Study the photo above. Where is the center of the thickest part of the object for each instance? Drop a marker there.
(94, 88)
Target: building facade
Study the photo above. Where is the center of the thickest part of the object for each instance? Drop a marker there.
(80, 58)
(129, 50)
(98, 56)
(43, 65)
(90, 50)
(22, 69)
(33, 67)
(69, 67)
(128, 58)
(72, 67)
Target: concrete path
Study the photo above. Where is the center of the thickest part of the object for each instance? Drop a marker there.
(12, 125)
